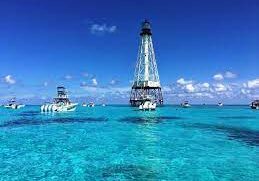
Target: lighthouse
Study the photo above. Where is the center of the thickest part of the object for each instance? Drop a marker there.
(146, 83)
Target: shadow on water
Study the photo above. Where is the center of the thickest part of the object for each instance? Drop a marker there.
(248, 136)
(29, 113)
(29, 122)
(143, 120)
(135, 172)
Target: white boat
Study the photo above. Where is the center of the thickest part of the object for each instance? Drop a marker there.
(103, 105)
(14, 105)
(147, 105)
(84, 104)
(60, 104)
(91, 104)
(255, 104)
(220, 104)
(185, 104)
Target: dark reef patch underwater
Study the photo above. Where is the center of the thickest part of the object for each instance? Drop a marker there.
(143, 120)
(35, 121)
(248, 136)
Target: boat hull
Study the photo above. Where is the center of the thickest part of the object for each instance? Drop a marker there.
(58, 108)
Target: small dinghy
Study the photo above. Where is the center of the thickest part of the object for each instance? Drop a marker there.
(60, 104)
(147, 105)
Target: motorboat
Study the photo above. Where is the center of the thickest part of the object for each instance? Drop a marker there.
(60, 104)
(255, 104)
(185, 104)
(103, 105)
(220, 104)
(12, 104)
(91, 104)
(147, 105)
(84, 104)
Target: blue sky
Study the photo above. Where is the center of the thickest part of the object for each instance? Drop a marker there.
(206, 51)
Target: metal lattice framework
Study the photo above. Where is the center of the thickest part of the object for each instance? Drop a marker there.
(146, 79)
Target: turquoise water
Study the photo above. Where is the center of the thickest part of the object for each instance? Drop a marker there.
(122, 143)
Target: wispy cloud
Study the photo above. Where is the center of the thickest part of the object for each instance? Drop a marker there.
(114, 82)
(85, 74)
(230, 75)
(227, 75)
(102, 28)
(8, 79)
(68, 77)
(45, 84)
(218, 77)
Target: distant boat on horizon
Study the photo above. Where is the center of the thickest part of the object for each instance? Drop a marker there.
(220, 104)
(255, 104)
(185, 104)
(12, 104)
(91, 104)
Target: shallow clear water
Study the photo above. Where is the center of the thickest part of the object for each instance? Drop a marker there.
(122, 143)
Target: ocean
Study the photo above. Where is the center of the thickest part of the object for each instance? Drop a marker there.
(122, 143)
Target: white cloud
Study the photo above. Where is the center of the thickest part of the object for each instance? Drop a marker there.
(252, 84)
(206, 85)
(230, 75)
(189, 88)
(220, 87)
(102, 28)
(181, 81)
(218, 77)
(94, 82)
(9, 79)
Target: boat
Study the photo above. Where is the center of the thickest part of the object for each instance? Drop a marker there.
(84, 104)
(220, 104)
(61, 103)
(91, 104)
(255, 104)
(12, 104)
(103, 105)
(185, 104)
(147, 105)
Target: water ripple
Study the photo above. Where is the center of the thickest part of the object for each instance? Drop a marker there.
(129, 172)
(237, 117)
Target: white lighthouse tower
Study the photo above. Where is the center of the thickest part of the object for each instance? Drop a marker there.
(146, 82)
